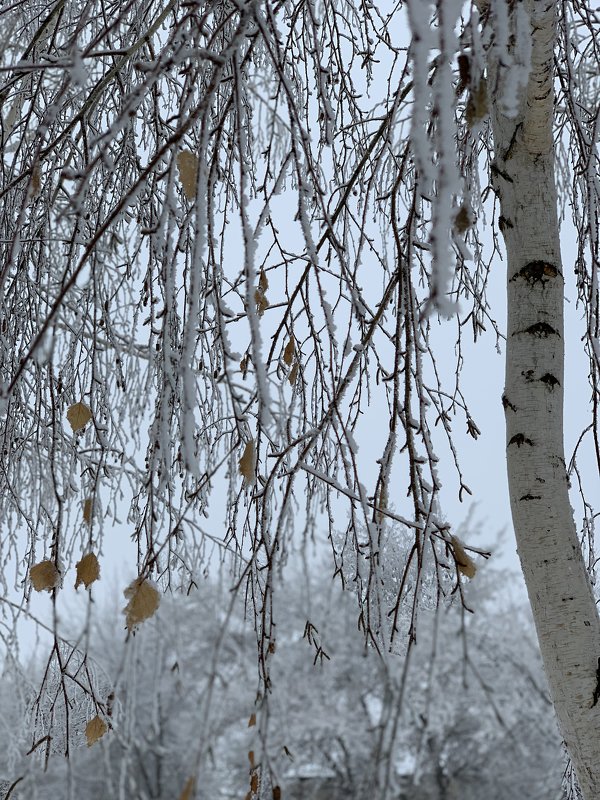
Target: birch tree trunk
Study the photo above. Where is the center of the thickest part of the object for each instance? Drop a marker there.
(559, 590)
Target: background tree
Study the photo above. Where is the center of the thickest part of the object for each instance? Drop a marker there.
(478, 724)
(228, 231)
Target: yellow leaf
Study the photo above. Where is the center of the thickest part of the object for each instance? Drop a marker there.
(293, 374)
(288, 353)
(87, 510)
(188, 172)
(188, 789)
(252, 720)
(143, 599)
(248, 463)
(261, 301)
(263, 281)
(465, 564)
(94, 730)
(78, 415)
(44, 576)
(88, 570)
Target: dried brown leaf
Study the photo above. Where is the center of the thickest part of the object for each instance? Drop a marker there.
(88, 506)
(44, 576)
(288, 353)
(248, 463)
(261, 302)
(94, 730)
(244, 366)
(252, 720)
(263, 281)
(293, 374)
(188, 172)
(276, 793)
(254, 783)
(88, 570)
(78, 415)
(465, 564)
(188, 789)
(143, 598)
(251, 758)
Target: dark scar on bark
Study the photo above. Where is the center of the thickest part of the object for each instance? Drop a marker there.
(495, 170)
(536, 271)
(540, 329)
(507, 404)
(520, 439)
(596, 695)
(550, 380)
(531, 497)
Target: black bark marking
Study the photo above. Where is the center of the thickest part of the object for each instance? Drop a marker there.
(531, 497)
(528, 375)
(541, 329)
(495, 170)
(550, 380)
(519, 439)
(596, 695)
(536, 272)
(513, 141)
(507, 404)
(504, 223)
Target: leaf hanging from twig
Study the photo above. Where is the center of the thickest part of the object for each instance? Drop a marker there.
(88, 570)
(288, 353)
(143, 598)
(94, 730)
(44, 576)
(465, 564)
(248, 463)
(261, 301)
(78, 415)
(87, 510)
(188, 172)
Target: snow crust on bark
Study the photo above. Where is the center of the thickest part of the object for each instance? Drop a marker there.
(559, 590)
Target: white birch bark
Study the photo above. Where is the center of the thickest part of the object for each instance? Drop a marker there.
(561, 598)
